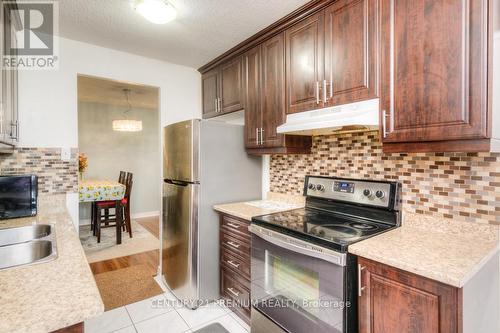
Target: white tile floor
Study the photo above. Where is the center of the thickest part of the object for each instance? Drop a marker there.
(156, 314)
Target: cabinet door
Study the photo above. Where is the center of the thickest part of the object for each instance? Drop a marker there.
(304, 64)
(350, 52)
(396, 301)
(231, 86)
(273, 89)
(253, 115)
(15, 107)
(209, 86)
(12, 88)
(7, 87)
(434, 70)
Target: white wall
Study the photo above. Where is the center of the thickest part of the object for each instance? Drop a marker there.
(48, 99)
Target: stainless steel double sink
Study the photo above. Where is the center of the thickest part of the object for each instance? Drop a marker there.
(27, 245)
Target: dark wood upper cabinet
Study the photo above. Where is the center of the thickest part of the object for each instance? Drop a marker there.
(430, 62)
(273, 90)
(231, 86)
(253, 114)
(396, 301)
(222, 89)
(209, 88)
(265, 101)
(304, 43)
(434, 67)
(331, 57)
(10, 24)
(350, 52)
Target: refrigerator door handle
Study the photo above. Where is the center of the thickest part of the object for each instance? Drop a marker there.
(176, 182)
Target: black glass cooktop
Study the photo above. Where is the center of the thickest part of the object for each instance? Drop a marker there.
(323, 228)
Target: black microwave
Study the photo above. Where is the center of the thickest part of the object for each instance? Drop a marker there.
(18, 196)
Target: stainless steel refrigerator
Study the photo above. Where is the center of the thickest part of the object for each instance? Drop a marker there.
(204, 163)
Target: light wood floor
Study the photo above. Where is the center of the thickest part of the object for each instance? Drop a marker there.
(150, 258)
(151, 224)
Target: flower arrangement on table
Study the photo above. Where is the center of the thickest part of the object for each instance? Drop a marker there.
(83, 163)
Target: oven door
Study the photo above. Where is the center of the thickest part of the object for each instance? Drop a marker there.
(298, 286)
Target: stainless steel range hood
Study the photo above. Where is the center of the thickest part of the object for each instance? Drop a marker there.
(355, 117)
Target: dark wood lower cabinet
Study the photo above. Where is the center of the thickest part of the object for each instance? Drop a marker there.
(235, 291)
(396, 301)
(235, 265)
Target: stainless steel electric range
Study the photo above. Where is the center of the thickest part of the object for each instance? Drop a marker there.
(303, 279)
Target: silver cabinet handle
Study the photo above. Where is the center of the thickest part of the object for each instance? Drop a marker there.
(324, 92)
(233, 264)
(236, 246)
(331, 88)
(220, 104)
(232, 225)
(384, 124)
(317, 92)
(235, 293)
(261, 136)
(216, 106)
(257, 136)
(360, 288)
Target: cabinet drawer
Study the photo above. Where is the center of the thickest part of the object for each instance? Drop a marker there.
(235, 226)
(237, 264)
(237, 246)
(236, 291)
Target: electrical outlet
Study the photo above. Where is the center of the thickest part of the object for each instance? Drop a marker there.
(65, 154)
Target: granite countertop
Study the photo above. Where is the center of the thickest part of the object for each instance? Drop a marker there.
(48, 296)
(440, 249)
(274, 203)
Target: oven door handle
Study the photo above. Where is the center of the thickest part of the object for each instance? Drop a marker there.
(299, 246)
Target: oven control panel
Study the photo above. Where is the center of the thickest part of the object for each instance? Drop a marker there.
(355, 191)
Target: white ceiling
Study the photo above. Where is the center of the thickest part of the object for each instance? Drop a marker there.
(104, 91)
(203, 30)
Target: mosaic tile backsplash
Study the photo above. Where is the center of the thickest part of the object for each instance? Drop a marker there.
(459, 186)
(55, 176)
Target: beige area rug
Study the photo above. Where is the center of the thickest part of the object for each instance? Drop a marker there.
(126, 286)
(141, 241)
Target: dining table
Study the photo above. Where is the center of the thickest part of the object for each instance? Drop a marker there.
(95, 190)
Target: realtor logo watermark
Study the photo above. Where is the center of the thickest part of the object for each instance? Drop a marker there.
(31, 36)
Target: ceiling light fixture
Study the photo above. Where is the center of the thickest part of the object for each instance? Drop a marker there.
(156, 11)
(127, 125)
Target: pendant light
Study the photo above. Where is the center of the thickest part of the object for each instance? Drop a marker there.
(127, 125)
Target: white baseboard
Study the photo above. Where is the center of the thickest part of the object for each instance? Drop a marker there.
(84, 221)
(159, 280)
(145, 214)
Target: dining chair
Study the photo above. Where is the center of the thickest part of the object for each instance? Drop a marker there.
(121, 180)
(109, 220)
(126, 203)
